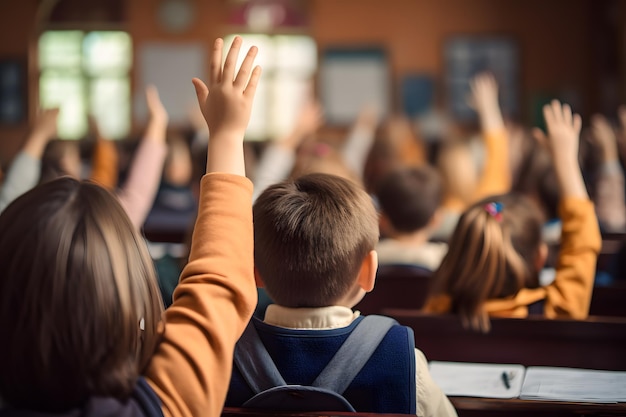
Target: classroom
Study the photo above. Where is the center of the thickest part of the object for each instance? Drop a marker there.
(246, 208)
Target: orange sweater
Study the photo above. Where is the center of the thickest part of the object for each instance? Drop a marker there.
(212, 305)
(570, 293)
(495, 177)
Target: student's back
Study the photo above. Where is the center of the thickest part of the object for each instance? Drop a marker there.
(314, 254)
(80, 311)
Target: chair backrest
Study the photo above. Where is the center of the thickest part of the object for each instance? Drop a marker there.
(397, 286)
(609, 301)
(596, 343)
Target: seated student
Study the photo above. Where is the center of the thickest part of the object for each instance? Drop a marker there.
(496, 251)
(138, 191)
(314, 254)
(462, 184)
(409, 199)
(80, 312)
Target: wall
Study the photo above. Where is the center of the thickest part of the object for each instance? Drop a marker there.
(412, 30)
(553, 35)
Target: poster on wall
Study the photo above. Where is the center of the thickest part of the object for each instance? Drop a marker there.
(466, 56)
(352, 78)
(12, 92)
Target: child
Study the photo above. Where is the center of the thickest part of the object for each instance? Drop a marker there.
(463, 185)
(496, 253)
(80, 311)
(409, 200)
(314, 253)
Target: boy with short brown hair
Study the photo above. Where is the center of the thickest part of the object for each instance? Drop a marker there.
(314, 253)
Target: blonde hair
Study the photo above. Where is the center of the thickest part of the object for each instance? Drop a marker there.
(80, 306)
(491, 255)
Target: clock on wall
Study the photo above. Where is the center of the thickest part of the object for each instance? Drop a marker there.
(176, 16)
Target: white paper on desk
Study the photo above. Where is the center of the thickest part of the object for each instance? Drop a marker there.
(569, 384)
(477, 379)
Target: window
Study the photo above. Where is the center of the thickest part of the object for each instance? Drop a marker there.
(87, 73)
(288, 62)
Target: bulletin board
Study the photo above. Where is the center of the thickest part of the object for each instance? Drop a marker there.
(466, 56)
(351, 78)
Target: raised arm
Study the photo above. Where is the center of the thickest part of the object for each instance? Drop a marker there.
(138, 192)
(360, 139)
(25, 169)
(609, 196)
(216, 294)
(496, 174)
(570, 293)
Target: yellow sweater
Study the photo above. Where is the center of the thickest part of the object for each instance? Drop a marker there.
(569, 295)
(212, 305)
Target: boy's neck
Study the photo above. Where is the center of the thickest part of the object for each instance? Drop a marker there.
(417, 238)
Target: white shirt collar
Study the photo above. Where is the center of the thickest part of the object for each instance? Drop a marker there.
(332, 317)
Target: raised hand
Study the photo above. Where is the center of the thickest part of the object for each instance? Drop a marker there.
(563, 141)
(484, 100)
(226, 104)
(158, 117)
(44, 130)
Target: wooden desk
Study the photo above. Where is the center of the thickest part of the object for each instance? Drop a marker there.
(596, 343)
(491, 407)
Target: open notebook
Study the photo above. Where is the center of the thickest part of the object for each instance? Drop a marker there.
(579, 385)
(478, 379)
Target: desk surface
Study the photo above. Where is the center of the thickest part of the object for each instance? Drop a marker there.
(469, 406)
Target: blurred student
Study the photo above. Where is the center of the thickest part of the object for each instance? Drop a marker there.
(496, 251)
(409, 200)
(80, 311)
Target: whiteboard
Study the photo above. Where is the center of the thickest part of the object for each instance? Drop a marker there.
(351, 79)
(170, 67)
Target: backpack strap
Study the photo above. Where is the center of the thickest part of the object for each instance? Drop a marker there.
(356, 350)
(260, 372)
(255, 363)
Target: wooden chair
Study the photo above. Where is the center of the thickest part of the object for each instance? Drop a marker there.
(596, 343)
(397, 286)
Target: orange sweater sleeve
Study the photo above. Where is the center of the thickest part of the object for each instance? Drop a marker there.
(105, 164)
(213, 303)
(570, 293)
(496, 175)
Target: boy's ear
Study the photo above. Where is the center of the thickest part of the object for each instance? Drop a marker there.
(542, 256)
(367, 274)
(258, 279)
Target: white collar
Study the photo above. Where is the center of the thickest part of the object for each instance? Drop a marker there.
(332, 317)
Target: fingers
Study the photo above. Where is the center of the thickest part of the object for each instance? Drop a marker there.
(202, 91)
(246, 66)
(152, 97)
(215, 67)
(577, 123)
(557, 113)
(254, 81)
(231, 59)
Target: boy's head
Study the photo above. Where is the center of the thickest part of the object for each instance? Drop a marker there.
(79, 302)
(314, 239)
(410, 197)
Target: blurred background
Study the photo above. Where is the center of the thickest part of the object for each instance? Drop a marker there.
(410, 56)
